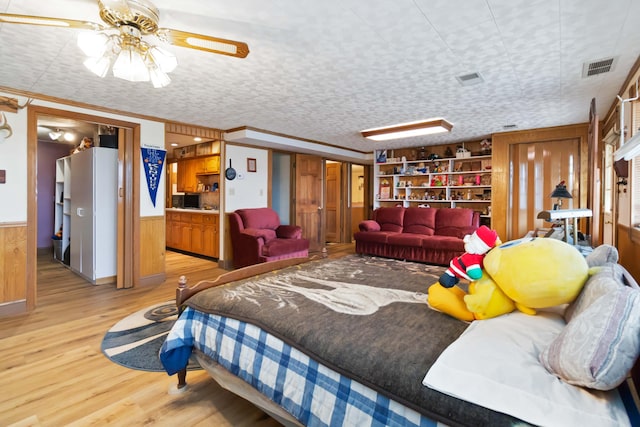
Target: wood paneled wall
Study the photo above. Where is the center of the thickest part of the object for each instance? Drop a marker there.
(13, 268)
(152, 249)
(504, 143)
(629, 251)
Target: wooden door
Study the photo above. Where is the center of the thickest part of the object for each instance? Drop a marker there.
(535, 170)
(332, 205)
(308, 203)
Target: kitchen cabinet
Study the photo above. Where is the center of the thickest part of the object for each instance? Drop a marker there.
(188, 169)
(193, 232)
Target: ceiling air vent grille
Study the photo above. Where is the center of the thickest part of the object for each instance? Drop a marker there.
(600, 66)
(470, 79)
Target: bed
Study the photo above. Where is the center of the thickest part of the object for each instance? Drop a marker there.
(350, 341)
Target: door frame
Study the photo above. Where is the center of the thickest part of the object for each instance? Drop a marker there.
(128, 226)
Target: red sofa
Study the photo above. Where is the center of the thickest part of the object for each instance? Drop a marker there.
(257, 236)
(429, 235)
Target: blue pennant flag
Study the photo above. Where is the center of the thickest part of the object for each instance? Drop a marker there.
(153, 159)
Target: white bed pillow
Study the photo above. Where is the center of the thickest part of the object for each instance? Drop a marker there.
(495, 364)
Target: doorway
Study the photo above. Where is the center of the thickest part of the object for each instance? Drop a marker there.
(126, 257)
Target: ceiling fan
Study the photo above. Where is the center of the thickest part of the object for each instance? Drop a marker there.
(128, 39)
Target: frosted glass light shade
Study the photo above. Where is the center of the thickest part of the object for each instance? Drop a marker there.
(130, 66)
(158, 78)
(93, 44)
(98, 66)
(164, 59)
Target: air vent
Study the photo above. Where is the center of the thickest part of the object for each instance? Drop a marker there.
(470, 79)
(599, 66)
(511, 126)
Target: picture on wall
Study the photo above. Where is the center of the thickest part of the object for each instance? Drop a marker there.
(251, 165)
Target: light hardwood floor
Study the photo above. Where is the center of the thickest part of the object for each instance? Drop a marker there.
(54, 374)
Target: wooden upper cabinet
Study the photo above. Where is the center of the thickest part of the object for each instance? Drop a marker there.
(208, 165)
(189, 168)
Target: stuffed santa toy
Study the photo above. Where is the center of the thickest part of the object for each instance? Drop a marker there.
(469, 265)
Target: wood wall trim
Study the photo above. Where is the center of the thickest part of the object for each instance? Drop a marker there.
(13, 224)
(42, 97)
(187, 129)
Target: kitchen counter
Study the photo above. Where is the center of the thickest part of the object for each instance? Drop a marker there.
(186, 210)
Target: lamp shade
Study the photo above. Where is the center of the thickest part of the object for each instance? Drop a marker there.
(561, 192)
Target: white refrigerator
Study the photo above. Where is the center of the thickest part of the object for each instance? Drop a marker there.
(94, 215)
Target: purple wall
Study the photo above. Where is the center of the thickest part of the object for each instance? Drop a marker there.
(46, 186)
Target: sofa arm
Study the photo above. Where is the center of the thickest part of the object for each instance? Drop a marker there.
(289, 232)
(262, 235)
(369, 225)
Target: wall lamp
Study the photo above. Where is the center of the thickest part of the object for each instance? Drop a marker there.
(406, 130)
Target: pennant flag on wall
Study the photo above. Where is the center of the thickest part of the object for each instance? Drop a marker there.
(153, 159)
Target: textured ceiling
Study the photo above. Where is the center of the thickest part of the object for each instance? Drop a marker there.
(324, 70)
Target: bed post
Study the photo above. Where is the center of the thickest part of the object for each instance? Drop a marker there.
(182, 286)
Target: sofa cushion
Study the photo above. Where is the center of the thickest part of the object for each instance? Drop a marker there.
(405, 239)
(443, 243)
(259, 218)
(390, 219)
(456, 222)
(419, 221)
(373, 236)
(278, 247)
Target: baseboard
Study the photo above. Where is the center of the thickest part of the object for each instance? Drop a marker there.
(13, 308)
(154, 279)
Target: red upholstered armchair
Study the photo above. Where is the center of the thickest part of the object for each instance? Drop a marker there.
(257, 236)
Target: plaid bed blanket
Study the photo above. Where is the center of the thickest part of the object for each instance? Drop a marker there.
(311, 392)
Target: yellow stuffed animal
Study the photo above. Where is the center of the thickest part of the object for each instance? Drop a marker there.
(527, 274)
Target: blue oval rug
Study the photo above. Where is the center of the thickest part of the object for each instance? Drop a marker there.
(134, 342)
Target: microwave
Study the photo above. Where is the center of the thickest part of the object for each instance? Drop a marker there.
(191, 201)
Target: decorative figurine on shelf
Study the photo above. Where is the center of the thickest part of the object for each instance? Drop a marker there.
(485, 146)
(448, 152)
(433, 156)
(422, 154)
(85, 144)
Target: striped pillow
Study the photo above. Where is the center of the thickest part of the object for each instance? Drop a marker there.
(599, 345)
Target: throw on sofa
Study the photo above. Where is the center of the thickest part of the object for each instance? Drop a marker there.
(257, 236)
(429, 235)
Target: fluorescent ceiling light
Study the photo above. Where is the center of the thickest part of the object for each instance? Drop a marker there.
(629, 150)
(406, 130)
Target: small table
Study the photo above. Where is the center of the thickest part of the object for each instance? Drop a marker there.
(566, 215)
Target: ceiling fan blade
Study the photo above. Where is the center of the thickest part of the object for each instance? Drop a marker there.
(202, 42)
(10, 18)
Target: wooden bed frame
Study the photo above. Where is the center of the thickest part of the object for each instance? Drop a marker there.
(239, 387)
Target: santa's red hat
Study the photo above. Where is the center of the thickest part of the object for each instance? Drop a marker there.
(488, 236)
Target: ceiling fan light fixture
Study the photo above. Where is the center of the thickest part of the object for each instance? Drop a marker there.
(98, 66)
(407, 130)
(93, 44)
(158, 77)
(164, 59)
(130, 65)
